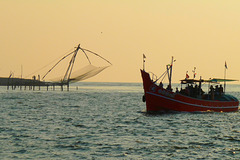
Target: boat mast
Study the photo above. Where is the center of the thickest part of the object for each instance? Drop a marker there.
(225, 69)
(169, 69)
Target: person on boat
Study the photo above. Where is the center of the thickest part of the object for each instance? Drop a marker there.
(221, 90)
(187, 90)
(211, 92)
(191, 89)
(169, 87)
(177, 91)
(195, 91)
(217, 90)
(201, 91)
(161, 85)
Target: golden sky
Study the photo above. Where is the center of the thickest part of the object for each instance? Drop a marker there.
(198, 33)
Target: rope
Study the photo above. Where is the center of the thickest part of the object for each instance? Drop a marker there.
(83, 50)
(45, 65)
(96, 55)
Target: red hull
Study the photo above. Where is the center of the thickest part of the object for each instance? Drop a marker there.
(160, 99)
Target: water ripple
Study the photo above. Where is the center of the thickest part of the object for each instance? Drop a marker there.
(108, 124)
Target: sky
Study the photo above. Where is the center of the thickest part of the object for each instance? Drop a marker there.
(201, 33)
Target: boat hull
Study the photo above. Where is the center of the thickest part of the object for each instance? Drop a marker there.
(159, 99)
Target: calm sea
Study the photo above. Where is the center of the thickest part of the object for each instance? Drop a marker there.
(106, 121)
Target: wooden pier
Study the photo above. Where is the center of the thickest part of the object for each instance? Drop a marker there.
(85, 73)
(31, 84)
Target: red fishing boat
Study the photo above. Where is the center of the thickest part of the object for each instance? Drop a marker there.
(190, 98)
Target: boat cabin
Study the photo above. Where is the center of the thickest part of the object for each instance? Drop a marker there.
(216, 91)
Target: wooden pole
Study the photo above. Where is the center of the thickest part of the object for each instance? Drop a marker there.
(68, 86)
(61, 87)
(225, 79)
(144, 61)
(170, 78)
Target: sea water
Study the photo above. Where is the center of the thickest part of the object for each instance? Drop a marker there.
(106, 121)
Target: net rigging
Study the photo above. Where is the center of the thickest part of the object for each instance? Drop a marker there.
(79, 75)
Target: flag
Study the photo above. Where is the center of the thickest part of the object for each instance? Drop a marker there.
(194, 72)
(187, 76)
(194, 75)
(226, 65)
(144, 56)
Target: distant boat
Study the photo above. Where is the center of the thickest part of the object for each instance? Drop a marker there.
(189, 99)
